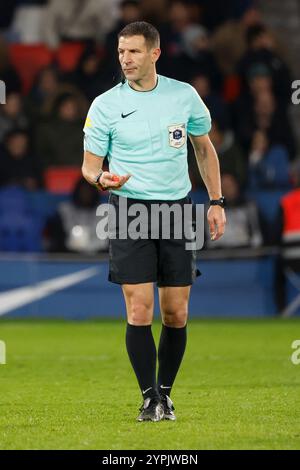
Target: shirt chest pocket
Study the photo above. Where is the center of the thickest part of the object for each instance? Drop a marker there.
(174, 133)
(133, 136)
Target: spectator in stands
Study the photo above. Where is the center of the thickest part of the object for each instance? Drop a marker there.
(231, 157)
(155, 11)
(261, 50)
(74, 227)
(6, 14)
(12, 115)
(7, 72)
(78, 20)
(18, 165)
(171, 32)
(91, 75)
(217, 13)
(129, 11)
(268, 165)
(268, 116)
(196, 57)
(213, 100)
(258, 108)
(45, 89)
(229, 39)
(243, 227)
(219, 112)
(288, 267)
(59, 141)
(28, 21)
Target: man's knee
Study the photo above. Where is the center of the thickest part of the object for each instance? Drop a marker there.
(175, 318)
(139, 307)
(140, 313)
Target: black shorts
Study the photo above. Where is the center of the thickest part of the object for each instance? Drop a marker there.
(151, 259)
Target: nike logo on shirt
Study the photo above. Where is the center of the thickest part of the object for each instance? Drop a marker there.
(126, 115)
(144, 391)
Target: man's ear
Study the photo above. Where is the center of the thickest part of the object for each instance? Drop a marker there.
(156, 54)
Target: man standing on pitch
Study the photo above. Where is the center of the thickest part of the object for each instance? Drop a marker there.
(141, 125)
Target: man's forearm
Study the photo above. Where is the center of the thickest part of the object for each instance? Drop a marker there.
(208, 164)
(91, 167)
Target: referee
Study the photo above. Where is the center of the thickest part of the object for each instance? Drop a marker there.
(142, 125)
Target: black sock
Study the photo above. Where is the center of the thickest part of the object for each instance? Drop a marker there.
(170, 353)
(142, 354)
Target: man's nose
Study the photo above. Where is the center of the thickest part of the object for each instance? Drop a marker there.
(126, 58)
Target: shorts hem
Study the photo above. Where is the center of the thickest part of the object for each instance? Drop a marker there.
(117, 280)
(143, 281)
(174, 283)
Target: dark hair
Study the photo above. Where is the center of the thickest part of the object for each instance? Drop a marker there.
(126, 3)
(142, 28)
(253, 32)
(14, 132)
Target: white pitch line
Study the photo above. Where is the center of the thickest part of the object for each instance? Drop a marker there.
(16, 298)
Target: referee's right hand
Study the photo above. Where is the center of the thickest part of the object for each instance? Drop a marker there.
(111, 181)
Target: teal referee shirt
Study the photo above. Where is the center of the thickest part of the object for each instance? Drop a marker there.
(145, 134)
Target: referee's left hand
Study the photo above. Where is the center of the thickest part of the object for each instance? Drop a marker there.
(111, 181)
(216, 220)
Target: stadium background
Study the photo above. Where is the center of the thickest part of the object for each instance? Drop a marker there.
(68, 384)
(241, 58)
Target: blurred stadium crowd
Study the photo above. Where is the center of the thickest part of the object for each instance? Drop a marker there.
(56, 56)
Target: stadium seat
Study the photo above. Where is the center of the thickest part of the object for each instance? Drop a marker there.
(268, 203)
(13, 199)
(44, 203)
(272, 171)
(28, 60)
(20, 227)
(68, 55)
(231, 88)
(20, 233)
(199, 196)
(61, 180)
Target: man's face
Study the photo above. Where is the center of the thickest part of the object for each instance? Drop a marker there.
(135, 58)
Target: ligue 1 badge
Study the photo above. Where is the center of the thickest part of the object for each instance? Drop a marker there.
(177, 135)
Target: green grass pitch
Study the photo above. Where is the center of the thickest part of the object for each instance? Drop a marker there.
(69, 385)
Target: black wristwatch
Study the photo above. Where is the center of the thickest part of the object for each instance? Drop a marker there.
(96, 180)
(218, 202)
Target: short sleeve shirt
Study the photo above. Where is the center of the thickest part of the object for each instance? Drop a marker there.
(145, 134)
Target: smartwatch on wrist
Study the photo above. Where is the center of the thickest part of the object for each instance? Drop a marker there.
(218, 202)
